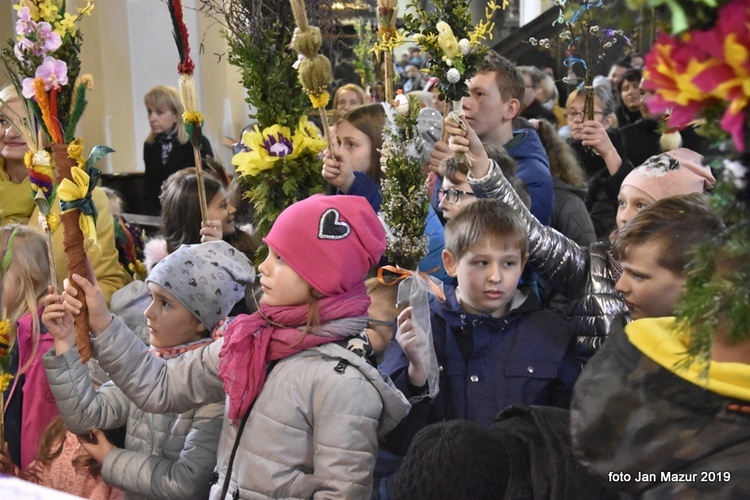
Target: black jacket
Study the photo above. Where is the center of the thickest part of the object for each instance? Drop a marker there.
(641, 140)
(180, 157)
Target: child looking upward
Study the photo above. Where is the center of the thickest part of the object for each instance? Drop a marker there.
(304, 406)
(170, 455)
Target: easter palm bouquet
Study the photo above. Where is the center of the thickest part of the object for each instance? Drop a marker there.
(455, 43)
(404, 211)
(586, 43)
(45, 68)
(281, 165)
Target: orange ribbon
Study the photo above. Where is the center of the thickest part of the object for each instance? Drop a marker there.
(402, 274)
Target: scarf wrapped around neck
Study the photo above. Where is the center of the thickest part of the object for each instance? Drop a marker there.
(165, 141)
(276, 332)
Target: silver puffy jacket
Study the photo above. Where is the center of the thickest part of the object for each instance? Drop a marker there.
(166, 456)
(583, 275)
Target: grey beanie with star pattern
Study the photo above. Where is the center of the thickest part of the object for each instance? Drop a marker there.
(207, 278)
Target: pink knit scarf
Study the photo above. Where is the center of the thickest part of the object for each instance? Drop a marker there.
(274, 332)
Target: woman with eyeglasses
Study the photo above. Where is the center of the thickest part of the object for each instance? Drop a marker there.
(600, 151)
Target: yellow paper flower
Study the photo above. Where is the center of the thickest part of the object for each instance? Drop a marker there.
(266, 148)
(447, 40)
(75, 189)
(53, 220)
(66, 25)
(274, 143)
(75, 152)
(195, 117)
(308, 137)
(4, 337)
(75, 148)
(27, 158)
(4, 331)
(5, 379)
(320, 100)
(48, 10)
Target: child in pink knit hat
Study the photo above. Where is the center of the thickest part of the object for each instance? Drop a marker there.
(676, 172)
(304, 407)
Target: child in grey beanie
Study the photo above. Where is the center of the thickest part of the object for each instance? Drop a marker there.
(207, 278)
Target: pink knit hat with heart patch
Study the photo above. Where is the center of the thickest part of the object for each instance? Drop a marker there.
(676, 172)
(330, 241)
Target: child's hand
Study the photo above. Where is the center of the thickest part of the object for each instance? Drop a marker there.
(439, 152)
(463, 139)
(96, 444)
(211, 231)
(339, 173)
(6, 464)
(58, 322)
(99, 315)
(407, 339)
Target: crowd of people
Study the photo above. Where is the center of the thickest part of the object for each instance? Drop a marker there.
(562, 247)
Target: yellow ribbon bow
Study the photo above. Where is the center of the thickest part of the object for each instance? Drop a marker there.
(71, 190)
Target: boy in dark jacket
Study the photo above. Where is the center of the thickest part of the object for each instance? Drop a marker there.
(494, 345)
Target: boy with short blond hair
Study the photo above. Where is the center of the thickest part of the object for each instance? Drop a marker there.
(495, 345)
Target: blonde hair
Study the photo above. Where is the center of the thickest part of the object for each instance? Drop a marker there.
(8, 94)
(168, 96)
(353, 87)
(25, 251)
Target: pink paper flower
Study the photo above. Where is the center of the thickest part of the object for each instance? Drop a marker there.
(24, 23)
(52, 41)
(27, 88)
(53, 72)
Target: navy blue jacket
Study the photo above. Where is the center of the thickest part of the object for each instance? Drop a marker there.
(487, 364)
(533, 170)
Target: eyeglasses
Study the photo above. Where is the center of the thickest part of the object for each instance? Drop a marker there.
(238, 147)
(572, 115)
(453, 194)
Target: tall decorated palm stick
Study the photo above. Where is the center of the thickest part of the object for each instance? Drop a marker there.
(192, 118)
(405, 209)
(45, 60)
(387, 35)
(315, 73)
